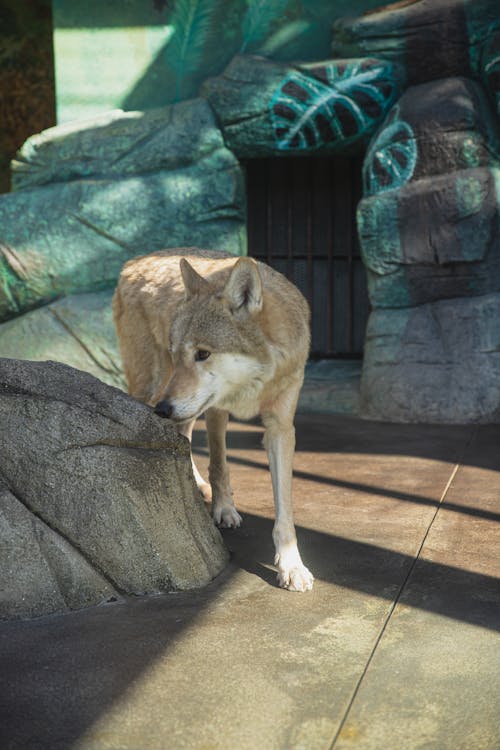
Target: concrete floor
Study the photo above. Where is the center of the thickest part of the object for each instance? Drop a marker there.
(396, 647)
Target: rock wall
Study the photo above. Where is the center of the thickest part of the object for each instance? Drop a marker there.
(92, 196)
(430, 218)
(416, 84)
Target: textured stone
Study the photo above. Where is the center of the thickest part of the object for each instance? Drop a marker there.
(118, 144)
(42, 572)
(438, 362)
(105, 489)
(490, 67)
(431, 39)
(267, 108)
(77, 330)
(433, 239)
(75, 235)
(437, 127)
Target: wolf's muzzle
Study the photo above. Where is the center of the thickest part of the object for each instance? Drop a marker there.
(164, 409)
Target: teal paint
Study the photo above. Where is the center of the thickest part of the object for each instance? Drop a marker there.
(472, 197)
(391, 158)
(339, 102)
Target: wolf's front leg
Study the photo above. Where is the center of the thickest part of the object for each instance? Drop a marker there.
(186, 429)
(279, 441)
(223, 510)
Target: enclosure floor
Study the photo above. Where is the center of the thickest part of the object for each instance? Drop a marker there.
(396, 647)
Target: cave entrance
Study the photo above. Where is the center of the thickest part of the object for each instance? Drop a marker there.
(301, 220)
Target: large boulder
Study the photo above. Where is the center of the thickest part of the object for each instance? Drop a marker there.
(77, 330)
(267, 108)
(431, 39)
(438, 362)
(95, 194)
(97, 497)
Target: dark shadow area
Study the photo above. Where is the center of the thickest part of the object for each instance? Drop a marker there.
(470, 445)
(445, 590)
(368, 488)
(60, 674)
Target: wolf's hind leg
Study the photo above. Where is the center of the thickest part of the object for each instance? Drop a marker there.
(186, 429)
(223, 510)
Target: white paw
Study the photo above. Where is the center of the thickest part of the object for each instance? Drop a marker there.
(227, 517)
(296, 578)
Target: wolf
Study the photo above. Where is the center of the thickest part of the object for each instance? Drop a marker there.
(206, 332)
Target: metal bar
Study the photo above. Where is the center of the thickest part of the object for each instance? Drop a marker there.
(350, 270)
(309, 235)
(269, 214)
(290, 192)
(329, 272)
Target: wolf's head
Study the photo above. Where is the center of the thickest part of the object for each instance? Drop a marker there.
(217, 345)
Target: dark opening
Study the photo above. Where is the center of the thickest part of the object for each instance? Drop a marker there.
(301, 221)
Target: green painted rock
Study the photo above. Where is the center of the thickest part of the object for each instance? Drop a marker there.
(108, 203)
(77, 330)
(266, 108)
(97, 496)
(429, 221)
(433, 239)
(438, 362)
(119, 144)
(490, 67)
(437, 127)
(430, 39)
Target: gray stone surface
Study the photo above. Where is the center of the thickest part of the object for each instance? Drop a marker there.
(438, 362)
(104, 486)
(331, 386)
(433, 239)
(118, 189)
(42, 572)
(435, 128)
(77, 330)
(429, 229)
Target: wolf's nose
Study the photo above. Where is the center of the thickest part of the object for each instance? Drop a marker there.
(164, 409)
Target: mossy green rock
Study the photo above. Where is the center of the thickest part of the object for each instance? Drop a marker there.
(77, 330)
(267, 108)
(118, 189)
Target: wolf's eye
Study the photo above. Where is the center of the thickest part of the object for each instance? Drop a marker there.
(201, 354)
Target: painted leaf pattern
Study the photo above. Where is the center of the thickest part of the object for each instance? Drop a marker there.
(391, 157)
(334, 102)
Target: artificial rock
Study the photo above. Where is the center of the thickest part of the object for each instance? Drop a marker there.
(267, 108)
(77, 330)
(438, 362)
(97, 496)
(118, 188)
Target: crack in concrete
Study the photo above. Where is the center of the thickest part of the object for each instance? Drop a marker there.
(398, 596)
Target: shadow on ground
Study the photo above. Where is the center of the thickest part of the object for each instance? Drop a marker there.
(122, 675)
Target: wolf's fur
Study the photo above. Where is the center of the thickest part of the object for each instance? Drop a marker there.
(171, 310)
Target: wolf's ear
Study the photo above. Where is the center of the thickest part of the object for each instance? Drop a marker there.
(243, 289)
(193, 282)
